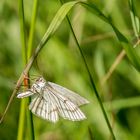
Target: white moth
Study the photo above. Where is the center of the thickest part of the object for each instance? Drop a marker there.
(49, 101)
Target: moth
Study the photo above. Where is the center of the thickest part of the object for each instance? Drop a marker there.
(50, 101)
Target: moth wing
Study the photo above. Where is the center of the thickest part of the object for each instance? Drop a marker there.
(43, 108)
(65, 107)
(72, 96)
(25, 94)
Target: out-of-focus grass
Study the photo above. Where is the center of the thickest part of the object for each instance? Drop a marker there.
(61, 63)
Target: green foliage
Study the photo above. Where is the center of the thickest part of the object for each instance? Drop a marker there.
(60, 61)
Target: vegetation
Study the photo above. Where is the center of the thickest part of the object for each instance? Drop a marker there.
(90, 47)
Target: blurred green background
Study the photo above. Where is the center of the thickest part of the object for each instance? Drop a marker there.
(60, 62)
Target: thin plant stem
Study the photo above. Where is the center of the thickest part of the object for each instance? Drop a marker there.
(90, 77)
(50, 31)
(92, 82)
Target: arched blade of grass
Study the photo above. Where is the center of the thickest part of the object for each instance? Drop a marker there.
(60, 15)
(130, 51)
(136, 28)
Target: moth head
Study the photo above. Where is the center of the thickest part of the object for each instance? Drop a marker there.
(40, 79)
(39, 84)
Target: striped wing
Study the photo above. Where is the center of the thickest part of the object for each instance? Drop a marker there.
(70, 95)
(66, 108)
(43, 108)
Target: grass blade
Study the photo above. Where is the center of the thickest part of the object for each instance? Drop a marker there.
(23, 103)
(60, 15)
(130, 51)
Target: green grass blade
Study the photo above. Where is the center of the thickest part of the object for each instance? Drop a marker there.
(30, 47)
(91, 79)
(21, 123)
(130, 51)
(22, 31)
(23, 103)
(32, 29)
(57, 20)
